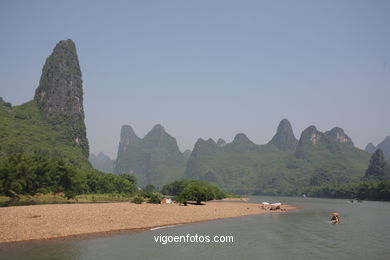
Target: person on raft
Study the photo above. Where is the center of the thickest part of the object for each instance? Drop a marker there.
(335, 218)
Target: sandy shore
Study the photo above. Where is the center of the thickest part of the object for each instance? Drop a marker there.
(61, 220)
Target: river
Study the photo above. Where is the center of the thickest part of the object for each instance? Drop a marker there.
(364, 233)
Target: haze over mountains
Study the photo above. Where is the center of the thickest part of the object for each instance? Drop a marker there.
(282, 166)
(384, 146)
(102, 162)
(154, 159)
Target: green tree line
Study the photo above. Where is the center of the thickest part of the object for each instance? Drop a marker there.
(22, 174)
(375, 184)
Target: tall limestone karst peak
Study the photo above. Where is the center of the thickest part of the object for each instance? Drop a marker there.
(311, 135)
(385, 147)
(127, 137)
(284, 138)
(333, 143)
(156, 132)
(339, 135)
(221, 142)
(241, 139)
(60, 94)
(128, 131)
(377, 169)
(159, 137)
(370, 148)
(158, 128)
(211, 140)
(202, 144)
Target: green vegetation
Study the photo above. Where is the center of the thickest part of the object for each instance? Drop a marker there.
(378, 168)
(375, 184)
(154, 199)
(23, 129)
(191, 190)
(42, 172)
(242, 167)
(59, 198)
(365, 190)
(103, 197)
(175, 188)
(138, 200)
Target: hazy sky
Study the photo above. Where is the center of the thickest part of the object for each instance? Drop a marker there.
(210, 68)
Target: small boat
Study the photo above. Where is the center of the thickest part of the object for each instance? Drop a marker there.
(335, 218)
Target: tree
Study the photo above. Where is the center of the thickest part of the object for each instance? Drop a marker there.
(154, 199)
(175, 188)
(377, 169)
(192, 190)
(195, 192)
(200, 191)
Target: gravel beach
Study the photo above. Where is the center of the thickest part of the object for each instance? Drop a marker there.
(52, 221)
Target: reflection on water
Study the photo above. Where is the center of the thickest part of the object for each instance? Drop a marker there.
(303, 234)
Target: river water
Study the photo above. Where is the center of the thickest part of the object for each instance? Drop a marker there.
(364, 233)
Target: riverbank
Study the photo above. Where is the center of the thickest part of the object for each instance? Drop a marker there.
(62, 220)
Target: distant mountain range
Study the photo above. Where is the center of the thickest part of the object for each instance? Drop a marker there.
(283, 166)
(384, 146)
(102, 162)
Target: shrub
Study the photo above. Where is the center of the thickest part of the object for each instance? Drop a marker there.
(145, 194)
(138, 200)
(154, 199)
(70, 195)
